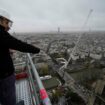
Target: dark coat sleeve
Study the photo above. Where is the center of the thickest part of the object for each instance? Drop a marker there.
(13, 43)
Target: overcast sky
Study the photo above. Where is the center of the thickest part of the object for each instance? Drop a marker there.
(47, 15)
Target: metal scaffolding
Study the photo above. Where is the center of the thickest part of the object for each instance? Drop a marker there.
(31, 89)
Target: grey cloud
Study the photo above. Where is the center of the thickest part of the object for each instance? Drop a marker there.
(53, 13)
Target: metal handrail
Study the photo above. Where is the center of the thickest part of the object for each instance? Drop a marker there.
(43, 94)
(34, 94)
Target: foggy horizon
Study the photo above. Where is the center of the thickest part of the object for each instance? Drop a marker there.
(47, 16)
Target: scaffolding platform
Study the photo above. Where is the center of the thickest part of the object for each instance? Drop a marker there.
(23, 91)
(29, 87)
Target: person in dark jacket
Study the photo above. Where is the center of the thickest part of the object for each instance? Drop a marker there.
(7, 77)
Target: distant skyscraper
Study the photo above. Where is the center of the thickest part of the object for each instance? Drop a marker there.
(58, 29)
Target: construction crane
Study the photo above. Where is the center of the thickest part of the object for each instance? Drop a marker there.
(68, 79)
(78, 40)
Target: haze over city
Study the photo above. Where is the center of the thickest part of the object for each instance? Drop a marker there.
(58, 52)
(47, 15)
